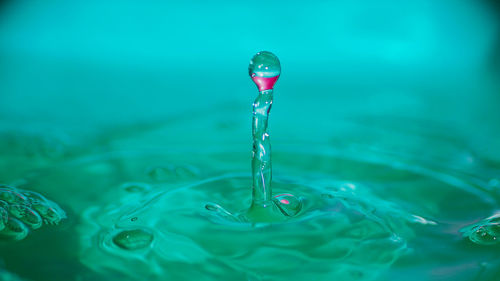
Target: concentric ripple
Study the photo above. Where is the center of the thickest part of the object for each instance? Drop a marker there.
(172, 234)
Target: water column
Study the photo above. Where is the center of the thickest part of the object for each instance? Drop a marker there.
(264, 69)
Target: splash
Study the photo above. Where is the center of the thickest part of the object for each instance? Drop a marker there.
(164, 234)
(265, 69)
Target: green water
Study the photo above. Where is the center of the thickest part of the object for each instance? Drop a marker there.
(136, 206)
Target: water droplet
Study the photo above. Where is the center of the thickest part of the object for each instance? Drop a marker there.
(264, 69)
(288, 204)
(133, 239)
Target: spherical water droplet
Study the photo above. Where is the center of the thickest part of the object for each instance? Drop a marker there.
(133, 239)
(288, 204)
(264, 69)
(264, 64)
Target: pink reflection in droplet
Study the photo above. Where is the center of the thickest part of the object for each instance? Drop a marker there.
(264, 83)
(284, 201)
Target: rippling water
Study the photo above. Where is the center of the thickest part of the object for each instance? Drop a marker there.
(376, 206)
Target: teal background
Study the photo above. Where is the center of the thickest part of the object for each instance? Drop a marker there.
(84, 65)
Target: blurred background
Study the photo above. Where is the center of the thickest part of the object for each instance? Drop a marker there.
(81, 67)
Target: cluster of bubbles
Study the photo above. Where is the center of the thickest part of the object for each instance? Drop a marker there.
(22, 210)
(484, 232)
